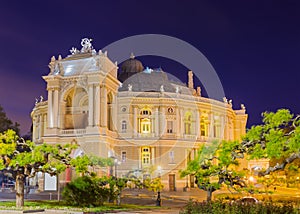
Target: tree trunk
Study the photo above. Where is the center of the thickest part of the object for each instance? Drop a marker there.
(20, 190)
(209, 195)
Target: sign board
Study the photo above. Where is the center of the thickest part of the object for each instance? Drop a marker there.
(50, 182)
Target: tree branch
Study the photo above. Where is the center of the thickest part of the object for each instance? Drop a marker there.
(281, 166)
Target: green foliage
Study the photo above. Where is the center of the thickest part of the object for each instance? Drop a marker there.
(277, 139)
(213, 166)
(219, 207)
(86, 191)
(154, 185)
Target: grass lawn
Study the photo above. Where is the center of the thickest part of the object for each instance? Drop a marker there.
(34, 205)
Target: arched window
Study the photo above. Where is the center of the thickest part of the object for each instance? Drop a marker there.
(217, 127)
(124, 126)
(188, 123)
(145, 112)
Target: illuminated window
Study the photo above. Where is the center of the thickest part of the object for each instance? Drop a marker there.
(203, 128)
(124, 126)
(145, 112)
(188, 123)
(146, 155)
(145, 121)
(145, 126)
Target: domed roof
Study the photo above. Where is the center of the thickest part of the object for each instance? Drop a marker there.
(129, 67)
(145, 81)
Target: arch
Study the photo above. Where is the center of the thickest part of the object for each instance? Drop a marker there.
(203, 127)
(188, 123)
(76, 108)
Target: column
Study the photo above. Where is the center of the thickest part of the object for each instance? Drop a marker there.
(62, 110)
(181, 122)
(50, 111)
(34, 129)
(91, 105)
(44, 123)
(156, 120)
(222, 127)
(226, 128)
(211, 125)
(152, 155)
(103, 106)
(139, 158)
(134, 131)
(97, 106)
(40, 126)
(197, 125)
(115, 114)
(161, 121)
(178, 120)
(55, 108)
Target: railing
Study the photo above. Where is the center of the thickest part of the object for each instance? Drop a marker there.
(146, 135)
(190, 136)
(73, 132)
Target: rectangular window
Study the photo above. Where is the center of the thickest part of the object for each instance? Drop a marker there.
(123, 157)
(124, 126)
(171, 157)
(146, 155)
(170, 127)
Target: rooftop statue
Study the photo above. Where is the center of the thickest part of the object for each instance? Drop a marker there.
(86, 47)
(129, 87)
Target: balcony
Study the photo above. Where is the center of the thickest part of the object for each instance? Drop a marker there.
(73, 132)
(190, 136)
(146, 135)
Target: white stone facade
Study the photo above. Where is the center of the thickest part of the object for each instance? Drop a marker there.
(150, 133)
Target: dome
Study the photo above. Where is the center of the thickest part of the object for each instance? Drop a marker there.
(148, 82)
(129, 67)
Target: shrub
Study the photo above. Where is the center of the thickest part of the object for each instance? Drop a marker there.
(219, 207)
(86, 191)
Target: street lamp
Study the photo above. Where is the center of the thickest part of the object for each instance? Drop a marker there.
(116, 164)
(158, 199)
(159, 171)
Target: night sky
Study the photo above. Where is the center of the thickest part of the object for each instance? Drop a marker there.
(254, 46)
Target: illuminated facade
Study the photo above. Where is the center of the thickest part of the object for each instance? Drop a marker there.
(138, 116)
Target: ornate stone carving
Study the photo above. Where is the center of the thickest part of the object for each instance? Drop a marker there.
(129, 87)
(243, 107)
(52, 64)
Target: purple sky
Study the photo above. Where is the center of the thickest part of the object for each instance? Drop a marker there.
(254, 46)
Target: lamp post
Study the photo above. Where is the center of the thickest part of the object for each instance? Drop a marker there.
(158, 200)
(116, 165)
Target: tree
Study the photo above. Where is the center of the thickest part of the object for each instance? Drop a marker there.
(277, 139)
(24, 159)
(155, 185)
(6, 123)
(214, 166)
